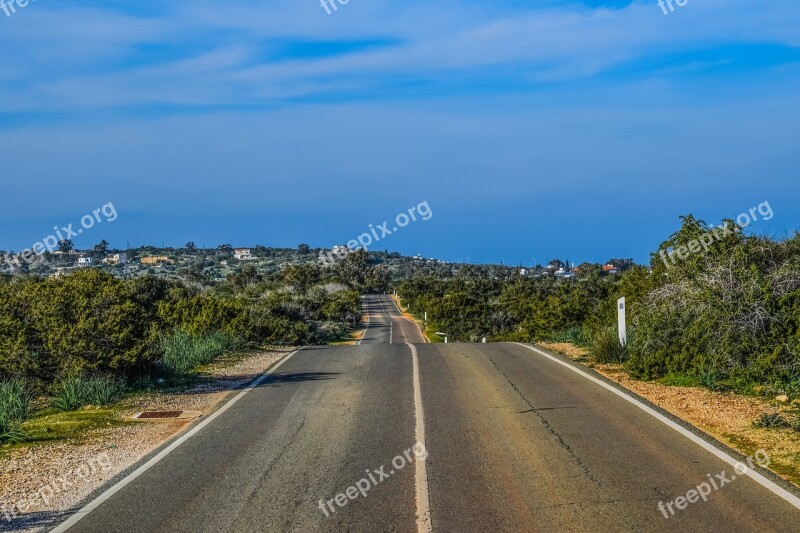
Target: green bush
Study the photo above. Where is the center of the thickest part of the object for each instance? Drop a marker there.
(183, 352)
(606, 347)
(771, 420)
(74, 392)
(16, 406)
(711, 378)
(576, 335)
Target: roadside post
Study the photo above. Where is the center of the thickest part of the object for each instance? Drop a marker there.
(623, 331)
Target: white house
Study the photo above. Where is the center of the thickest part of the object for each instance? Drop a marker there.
(243, 254)
(117, 259)
(84, 261)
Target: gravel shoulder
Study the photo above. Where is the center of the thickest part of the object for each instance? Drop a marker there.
(40, 482)
(726, 416)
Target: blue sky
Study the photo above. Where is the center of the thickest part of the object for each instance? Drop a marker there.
(534, 129)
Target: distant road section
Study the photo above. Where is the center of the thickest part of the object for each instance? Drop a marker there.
(387, 325)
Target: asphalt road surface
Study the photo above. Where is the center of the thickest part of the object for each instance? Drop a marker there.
(515, 441)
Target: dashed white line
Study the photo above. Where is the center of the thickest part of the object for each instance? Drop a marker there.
(391, 322)
(424, 524)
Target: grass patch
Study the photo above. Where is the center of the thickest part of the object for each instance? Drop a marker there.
(576, 335)
(53, 425)
(184, 352)
(16, 405)
(680, 380)
(430, 332)
(73, 392)
(606, 347)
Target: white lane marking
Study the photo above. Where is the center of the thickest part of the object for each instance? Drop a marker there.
(421, 475)
(94, 504)
(755, 476)
(365, 331)
(391, 322)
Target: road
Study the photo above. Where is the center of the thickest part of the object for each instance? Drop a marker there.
(515, 441)
(386, 324)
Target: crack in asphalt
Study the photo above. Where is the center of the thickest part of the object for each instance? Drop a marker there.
(546, 423)
(268, 470)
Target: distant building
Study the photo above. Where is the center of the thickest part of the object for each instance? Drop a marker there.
(564, 273)
(610, 269)
(117, 259)
(243, 254)
(155, 260)
(84, 261)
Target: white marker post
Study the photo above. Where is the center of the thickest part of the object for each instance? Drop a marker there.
(623, 331)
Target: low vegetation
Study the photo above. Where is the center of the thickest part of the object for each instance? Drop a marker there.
(87, 337)
(184, 352)
(15, 407)
(73, 392)
(727, 318)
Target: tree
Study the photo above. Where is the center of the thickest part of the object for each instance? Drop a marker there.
(304, 249)
(190, 246)
(65, 246)
(622, 264)
(101, 247)
(248, 276)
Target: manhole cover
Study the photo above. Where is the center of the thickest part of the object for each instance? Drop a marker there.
(159, 414)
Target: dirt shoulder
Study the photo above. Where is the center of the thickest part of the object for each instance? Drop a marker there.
(726, 416)
(40, 481)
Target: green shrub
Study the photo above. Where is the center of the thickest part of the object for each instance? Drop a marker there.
(606, 347)
(770, 420)
(16, 405)
(711, 378)
(576, 335)
(184, 352)
(680, 380)
(73, 392)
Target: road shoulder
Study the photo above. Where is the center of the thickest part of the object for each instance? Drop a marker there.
(42, 482)
(722, 417)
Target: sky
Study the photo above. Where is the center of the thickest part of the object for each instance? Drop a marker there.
(533, 129)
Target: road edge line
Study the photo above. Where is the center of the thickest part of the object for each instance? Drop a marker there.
(424, 524)
(720, 454)
(413, 319)
(102, 498)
